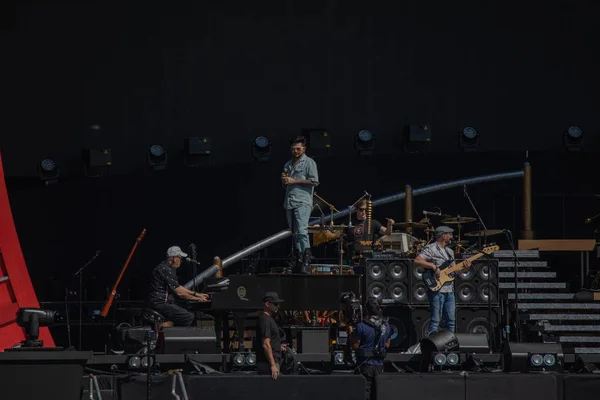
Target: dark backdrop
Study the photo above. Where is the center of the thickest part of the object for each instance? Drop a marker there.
(520, 74)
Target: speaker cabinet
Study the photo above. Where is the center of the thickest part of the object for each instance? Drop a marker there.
(187, 340)
(475, 320)
(479, 284)
(403, 330)
(388, 279)
(418, 290)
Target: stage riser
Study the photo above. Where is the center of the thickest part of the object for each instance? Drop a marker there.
(441, 386)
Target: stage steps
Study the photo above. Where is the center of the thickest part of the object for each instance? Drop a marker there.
(547, 308)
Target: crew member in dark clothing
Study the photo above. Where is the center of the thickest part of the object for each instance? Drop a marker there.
(267, 336)
(370, 339)
(358, 231)
(164, 286)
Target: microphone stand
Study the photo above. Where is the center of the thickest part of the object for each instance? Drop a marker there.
(80, 274)
(490, 290)
(517, 265)
(194, 254)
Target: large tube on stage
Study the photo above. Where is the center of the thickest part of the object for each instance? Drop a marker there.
(384, 200)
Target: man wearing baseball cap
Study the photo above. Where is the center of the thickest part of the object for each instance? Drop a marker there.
(442, 303)
(267, 337)
(164, 286)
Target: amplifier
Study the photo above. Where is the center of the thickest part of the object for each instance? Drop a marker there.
(187, 340)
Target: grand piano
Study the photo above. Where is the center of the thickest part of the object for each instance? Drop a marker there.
(242, 295)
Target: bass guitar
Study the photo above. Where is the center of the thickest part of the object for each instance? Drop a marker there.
(435, 283)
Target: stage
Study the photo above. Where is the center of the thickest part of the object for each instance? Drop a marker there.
(430, 386)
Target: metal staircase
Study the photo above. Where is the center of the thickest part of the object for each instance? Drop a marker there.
(547, 309)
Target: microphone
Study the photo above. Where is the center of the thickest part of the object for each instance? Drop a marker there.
(192, 261)
(432, 213)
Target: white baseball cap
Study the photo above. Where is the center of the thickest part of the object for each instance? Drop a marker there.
(175, 251)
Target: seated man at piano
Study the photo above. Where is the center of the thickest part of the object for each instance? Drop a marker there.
(164, 286)
(357, 234)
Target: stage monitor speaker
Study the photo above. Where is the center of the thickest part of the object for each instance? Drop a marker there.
(388, 279)
(418, 290)
(403, 333)
(442, 341)
(473, 343)
(314, 340)
(482, 320)
(187, 340)
(532, 357)
(479, 284)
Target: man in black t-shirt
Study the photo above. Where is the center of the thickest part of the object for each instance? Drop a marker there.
(164, 286)
(267, 337)
(358, 231)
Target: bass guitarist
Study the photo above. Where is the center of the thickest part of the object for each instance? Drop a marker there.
(441, 302)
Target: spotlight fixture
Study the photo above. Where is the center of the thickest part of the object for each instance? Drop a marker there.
(469, 138)
(364, 142)
(446, 360)
(532, 357)
(197, 151)
(157, 157)
(573, 138)
(243, 360)
(48, 171)
(261, 148)
(31, 319)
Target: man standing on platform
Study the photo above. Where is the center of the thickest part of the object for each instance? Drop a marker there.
(267, 336)
(164, 286)
(299, 178)
(370, 339)
(442, 302)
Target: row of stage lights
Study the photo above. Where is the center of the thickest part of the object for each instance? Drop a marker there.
(198, 149)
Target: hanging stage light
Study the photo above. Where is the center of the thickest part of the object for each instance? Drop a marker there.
(261, 148)
(469, 138)
(574, 138)
(48, 171)
(364, 142)
(157, 157)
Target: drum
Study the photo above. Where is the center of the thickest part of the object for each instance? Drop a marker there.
(400, 242)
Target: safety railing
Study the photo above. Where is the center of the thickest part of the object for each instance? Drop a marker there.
(525, 174)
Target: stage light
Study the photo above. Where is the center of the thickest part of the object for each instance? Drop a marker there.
(573, 138)
(469, 138)
(134, 362)
(197, 151)
(446, 359)
(48, 171)
(244, 360)
(532, 357)
(157, 157)
(261, 148)
(339, 358)
(364, 142)
(31, 319)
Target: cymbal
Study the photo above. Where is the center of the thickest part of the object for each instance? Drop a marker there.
(458, 220)
(409, 225)
(489, 232)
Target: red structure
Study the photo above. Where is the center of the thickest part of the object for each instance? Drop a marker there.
(16, 290)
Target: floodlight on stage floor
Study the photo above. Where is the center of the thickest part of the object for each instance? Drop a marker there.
(261, 148)
(469, 137)
(48, 171)
(532, 357)
(364, 143)
(31, 319)
(447, 350)
(157, 157)
(574, 138)
(245, 360)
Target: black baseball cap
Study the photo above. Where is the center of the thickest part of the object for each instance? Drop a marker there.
(272, 297)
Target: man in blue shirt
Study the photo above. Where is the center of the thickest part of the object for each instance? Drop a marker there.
(299, 177)
(370, 339)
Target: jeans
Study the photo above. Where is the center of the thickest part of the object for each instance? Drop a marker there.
(297, 219)
(441, 305)
(178, 315)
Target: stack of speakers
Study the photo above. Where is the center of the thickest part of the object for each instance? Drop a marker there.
(398, 282)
